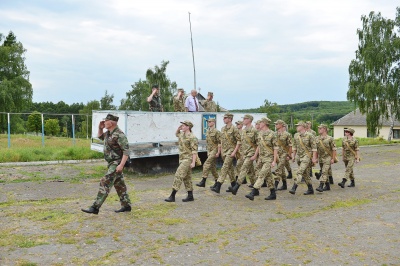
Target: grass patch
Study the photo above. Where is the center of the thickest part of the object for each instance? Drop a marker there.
(153, 211)
(173, 221)
(10, 239)
(53, 219)
(347, 203)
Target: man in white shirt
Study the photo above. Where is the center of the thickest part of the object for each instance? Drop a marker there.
(191, 103)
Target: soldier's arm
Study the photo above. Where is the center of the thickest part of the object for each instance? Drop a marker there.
(100, 131)
(151, 96)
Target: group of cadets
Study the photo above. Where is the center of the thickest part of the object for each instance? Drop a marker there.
(257, 151)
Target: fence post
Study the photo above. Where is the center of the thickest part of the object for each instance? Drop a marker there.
(73, 130)
(42, 131)
(9, 130)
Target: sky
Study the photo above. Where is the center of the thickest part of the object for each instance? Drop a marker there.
(286, 51)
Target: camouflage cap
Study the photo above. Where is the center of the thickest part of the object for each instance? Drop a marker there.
(210, 93)
(308, 122)
(248, 117)
(180, 89)
(301, 123)
(211, 119)
(188, 123)
(279, 121)
(258, 122)
(349, 129)
(239, 122)
(228, 115)
(265, 120)
(111, 117)
(323, 125)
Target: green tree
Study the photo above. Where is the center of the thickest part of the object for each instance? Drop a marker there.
(136, 98)
(375, 73)
(15, 89)
(52, 127)
(86, 113)
(106, 102)
(34, 122)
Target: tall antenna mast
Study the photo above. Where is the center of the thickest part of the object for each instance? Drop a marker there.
(191, 39)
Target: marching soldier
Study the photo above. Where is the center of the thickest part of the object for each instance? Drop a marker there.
(209, 105)
(179, 101)
(326, 148)
(304, 146)
(154, 100)
(213, 139)
(230, 144)
(287, 162)
(350, 155)
(188, 148)
(239, 157)
(284, 142)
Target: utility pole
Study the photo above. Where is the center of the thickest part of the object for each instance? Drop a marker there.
(191, 39)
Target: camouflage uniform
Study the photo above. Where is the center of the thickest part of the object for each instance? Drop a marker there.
(285, 141)
(213, 138)
(324, 158)
(179, 104)
(266, 142)
(209, 106)
(155, 104)
(115, 146)
(248, 141)
(230, 137)
(305, 156)
(348, 157)
(188, 145)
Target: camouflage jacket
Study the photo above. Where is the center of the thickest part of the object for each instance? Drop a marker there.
(179, 105)
(230, 137)
(266, 142)
(329, 144)
(209, 106)
(155, 104)
(188, 145)
(283, 141)
(213, 138)
(115, 145)
(353, 144)
(309, 144)
(249, 141)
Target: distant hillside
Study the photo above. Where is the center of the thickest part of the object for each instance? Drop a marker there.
(316, 111)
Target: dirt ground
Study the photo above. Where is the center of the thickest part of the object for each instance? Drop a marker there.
(42, 224)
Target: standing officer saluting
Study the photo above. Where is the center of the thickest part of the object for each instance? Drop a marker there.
(154, 100)
(116, 152)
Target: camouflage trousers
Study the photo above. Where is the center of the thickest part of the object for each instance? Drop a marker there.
(280, 168)
(304, 170)
(308, 170)
(239, 164)
(183, 174)
(287, 166)
(112, 178)
(247, 168)
(264, 173)
(210, 165)
(326, 169)
(349, 164)
(227, 169)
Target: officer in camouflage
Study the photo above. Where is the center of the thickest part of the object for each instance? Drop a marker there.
(350, 155)
(230, 144)
(213, 139)
(326, 148)
(287, 163)
(188, 148)
(305, 147)
(116, 153)
(284, 142)
(179, 101)
(239, 157)
(154, 100)
(209, 105)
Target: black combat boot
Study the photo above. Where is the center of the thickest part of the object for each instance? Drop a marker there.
(189, 197)
(311, 172)
(318, 175)
(244, 181)
(276, 184)
(202, 183)
(215, 183)
(284, 185)
(321, 187)
(293, 190)
(217, 187)
(264, 184)
(331, 180)
(289, 176)
(254, 192)
(310, 190)
(341, 184)
(235, 188)
(327, 186)
(92, 210)
(352, 184)
(271, 196)
(124, 209)
(231, 186)
(171, 197)
(302, 180)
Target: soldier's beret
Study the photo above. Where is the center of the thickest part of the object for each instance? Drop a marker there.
(211, 120)
(279, 121)
(301, 123)
(248, 117)
(349, 129)
(265, 120)
(228, 115)
(239, 122)
(323, 125)
(111, 117)
(188, 123)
